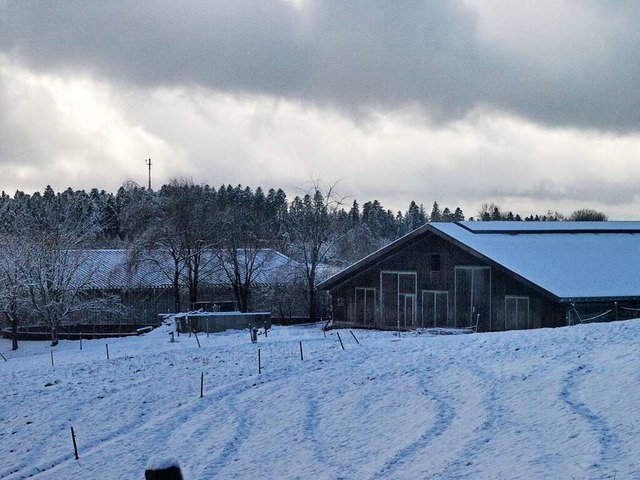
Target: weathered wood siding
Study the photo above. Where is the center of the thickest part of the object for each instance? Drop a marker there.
(500, 303)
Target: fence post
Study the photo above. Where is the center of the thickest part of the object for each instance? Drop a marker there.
(259, 363)
(202, 385)
(107, 347)
(75, 446)
(301, 355)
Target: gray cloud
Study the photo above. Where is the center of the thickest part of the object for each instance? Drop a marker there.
(579, 67)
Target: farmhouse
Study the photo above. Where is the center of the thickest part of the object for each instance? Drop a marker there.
(493, 276)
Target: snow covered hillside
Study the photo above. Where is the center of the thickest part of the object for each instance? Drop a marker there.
(562, 403)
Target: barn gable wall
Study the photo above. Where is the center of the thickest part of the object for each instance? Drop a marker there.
(442, 294)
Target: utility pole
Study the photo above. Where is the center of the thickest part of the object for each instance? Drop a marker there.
(148, 162)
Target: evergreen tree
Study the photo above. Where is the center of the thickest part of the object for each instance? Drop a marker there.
(496, 214)
(435, 216)
(354, 214)
(414, 218)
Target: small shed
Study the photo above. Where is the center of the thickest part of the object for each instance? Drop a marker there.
(492, 276)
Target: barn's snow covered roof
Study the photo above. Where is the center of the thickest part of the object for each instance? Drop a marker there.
(569, 260)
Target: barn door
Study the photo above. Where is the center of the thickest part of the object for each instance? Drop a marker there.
(398, 298)
(473, 297)
(516, 312)
(407, 310)
(365, 306)
(435, 308)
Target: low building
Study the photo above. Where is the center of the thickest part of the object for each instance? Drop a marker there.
(493, 276)
(144, 287)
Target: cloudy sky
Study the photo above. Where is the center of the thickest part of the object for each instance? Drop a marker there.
(531, 105)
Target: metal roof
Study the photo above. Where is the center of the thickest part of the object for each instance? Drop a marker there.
(570, 261)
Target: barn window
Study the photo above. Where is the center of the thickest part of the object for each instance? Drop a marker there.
(516, 312)
(434, 260)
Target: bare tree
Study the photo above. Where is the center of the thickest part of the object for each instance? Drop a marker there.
(313, 229)
(587, 215)
(179, 239)
(244, 238)
(489, 212)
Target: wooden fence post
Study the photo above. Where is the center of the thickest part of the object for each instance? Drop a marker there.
(75, 446)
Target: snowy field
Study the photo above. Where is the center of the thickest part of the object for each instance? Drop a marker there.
(552, 403)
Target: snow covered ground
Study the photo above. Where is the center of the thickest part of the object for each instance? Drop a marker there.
(561, 403)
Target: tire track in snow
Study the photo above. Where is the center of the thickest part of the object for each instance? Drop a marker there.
(27, 468)
(243, 424)
(608, 441)
(323, 454)
(81, 373)
(481, 436)
(445, 414)
(143, 426)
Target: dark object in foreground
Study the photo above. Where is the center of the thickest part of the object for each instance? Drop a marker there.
(163, 470)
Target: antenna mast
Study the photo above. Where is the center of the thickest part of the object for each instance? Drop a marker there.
(148, 162)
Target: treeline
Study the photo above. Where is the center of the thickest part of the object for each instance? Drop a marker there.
(133, 212)
(44, 275)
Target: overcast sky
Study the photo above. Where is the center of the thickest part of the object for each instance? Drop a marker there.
(531, 105)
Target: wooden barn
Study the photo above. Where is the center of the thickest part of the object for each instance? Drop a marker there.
(493, 276)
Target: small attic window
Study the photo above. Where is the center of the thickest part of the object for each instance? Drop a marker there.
(434, 261)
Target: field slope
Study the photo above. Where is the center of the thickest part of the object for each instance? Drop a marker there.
(551, 403)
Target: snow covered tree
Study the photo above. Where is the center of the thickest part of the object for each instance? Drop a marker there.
(313, 230)
(57, 274)
(13, 285)
(244, 232)
(414, 217)
(354, 214)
